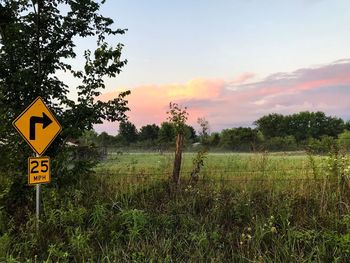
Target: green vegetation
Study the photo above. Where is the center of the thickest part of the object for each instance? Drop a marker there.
(311, 131)
(245, 207)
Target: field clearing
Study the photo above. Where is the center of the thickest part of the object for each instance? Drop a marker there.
(217, 166)
(244, 208)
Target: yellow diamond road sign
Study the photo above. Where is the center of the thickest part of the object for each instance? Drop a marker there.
(37, 125)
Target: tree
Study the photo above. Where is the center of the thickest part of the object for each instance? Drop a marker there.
(127, 132)
(105, 140)
(302, 125)
(166, 134)
(241, 139)
(37, 42)
(178, 117)
(272, 125)
(149, 132)
(89, 138)
(204, 130)
(214, 139)
(190, 134)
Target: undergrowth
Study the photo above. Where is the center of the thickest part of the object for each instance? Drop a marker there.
(95, 220)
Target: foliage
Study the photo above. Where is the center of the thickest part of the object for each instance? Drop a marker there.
(344, 140)
(166, 133)
(275, 132)
(149, 132)
(109, 219)
(287, 143)
(239, 139)
(204, 130)
(178, 117)
(127, 132)
(302, 125)
(323, 145)
(38, 42)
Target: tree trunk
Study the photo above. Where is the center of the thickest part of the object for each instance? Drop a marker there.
(178, 157)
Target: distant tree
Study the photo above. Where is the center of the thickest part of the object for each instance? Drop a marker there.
(149, 132)
(302, 125)
(105, 140)
(89, 138)
(286, 143)
(198, 160)
(190, 134)
(204, 131)
(272, 125)
(128, 132)
(178, 117)
(239, 138)
(166, 133)
(214, 139)
(325, 144)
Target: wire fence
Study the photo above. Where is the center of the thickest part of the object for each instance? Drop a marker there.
(228, 175)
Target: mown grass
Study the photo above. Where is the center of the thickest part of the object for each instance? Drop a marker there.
(245, 208)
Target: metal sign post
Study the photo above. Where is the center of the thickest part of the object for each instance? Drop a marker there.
(37, 208)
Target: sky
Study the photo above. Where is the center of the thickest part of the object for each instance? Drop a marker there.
(230, 61)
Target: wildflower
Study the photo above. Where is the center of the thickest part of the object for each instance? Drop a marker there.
(273, 230)
(249, 236)
(249, 229)
(241, 243)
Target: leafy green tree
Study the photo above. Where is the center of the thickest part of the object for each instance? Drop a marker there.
(302, 125)
(149, 132)
(214, 139)
(239, 139)
(105, 140)
(190, 134)
(178, 117)
(323, 145)
(38, 41)
(128, 132)
(204, 131)
(166, 133)
(286, 143)
(89, 138)
(272, 125)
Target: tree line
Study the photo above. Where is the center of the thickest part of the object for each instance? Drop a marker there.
(273, 132)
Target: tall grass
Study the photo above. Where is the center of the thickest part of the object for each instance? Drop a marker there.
(244, 208)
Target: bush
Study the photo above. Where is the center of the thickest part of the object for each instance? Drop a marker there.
(344, 140)
(287, 143)
(323, 145)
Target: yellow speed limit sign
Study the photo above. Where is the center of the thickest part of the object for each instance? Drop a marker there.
(39, 170)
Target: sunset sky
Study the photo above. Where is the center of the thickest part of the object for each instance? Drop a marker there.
(231, 61)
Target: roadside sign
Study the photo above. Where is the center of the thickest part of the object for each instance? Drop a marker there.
(39, 170)
(38, 126)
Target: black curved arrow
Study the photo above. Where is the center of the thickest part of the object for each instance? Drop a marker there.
(45, 120)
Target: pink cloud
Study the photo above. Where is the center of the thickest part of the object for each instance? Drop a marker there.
(234, 102)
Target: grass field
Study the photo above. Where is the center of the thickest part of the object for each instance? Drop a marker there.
(245, 208)
(219, 168)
